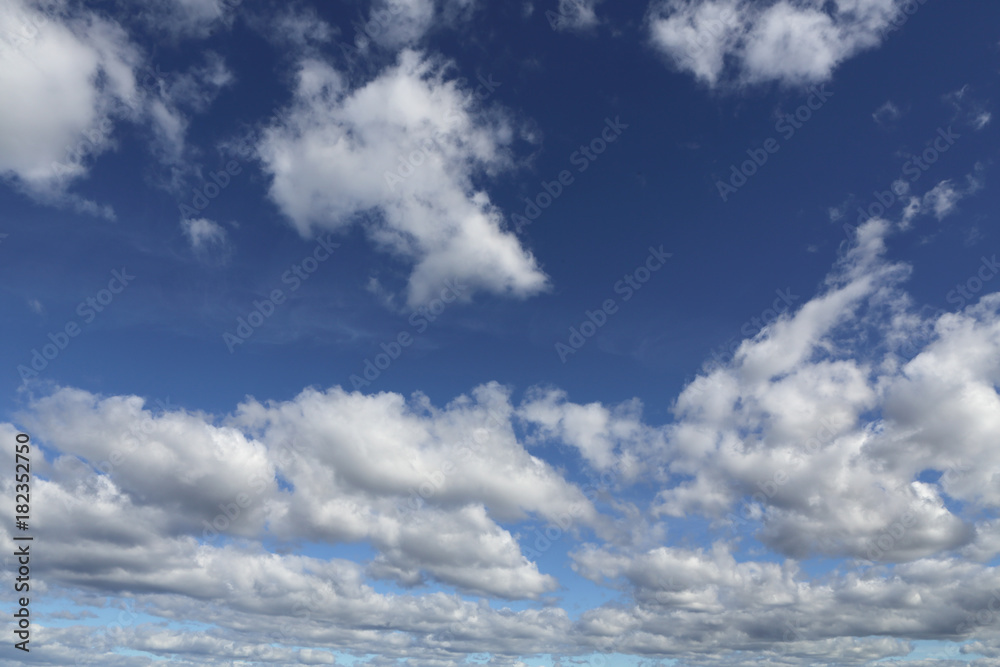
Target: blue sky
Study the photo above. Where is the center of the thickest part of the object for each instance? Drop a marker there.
(701, 290)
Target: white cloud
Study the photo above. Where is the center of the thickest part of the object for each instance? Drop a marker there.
(791, 408)
(818, 437)
(401, 22)
(67, 78)
(203, 233)
(425, 487)
(198, 87)
(61, 78)
(169, 102)
(886, 114)
(36, 306)
(942, 200)
(300, 28)
(575, 15)
(187, 18)
(395, 24)
(208, 239)
(596, 431)
(405, 145)
(689, 600)
(790, 41)
(968, 109)
(824, 396)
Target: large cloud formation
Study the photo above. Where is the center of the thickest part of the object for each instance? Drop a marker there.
(829, 434)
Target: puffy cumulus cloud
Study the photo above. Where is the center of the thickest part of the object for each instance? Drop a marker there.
(605, 437)
(803, 419)
(823, 434)
(697, 36)
(465, 549)
(704, 604)
(67, 76)
(173, 461)
(62, 75)
(406, 146)
(945, 405)
(789, 41)
(400, 22)
(259, 606)
(424, 486)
